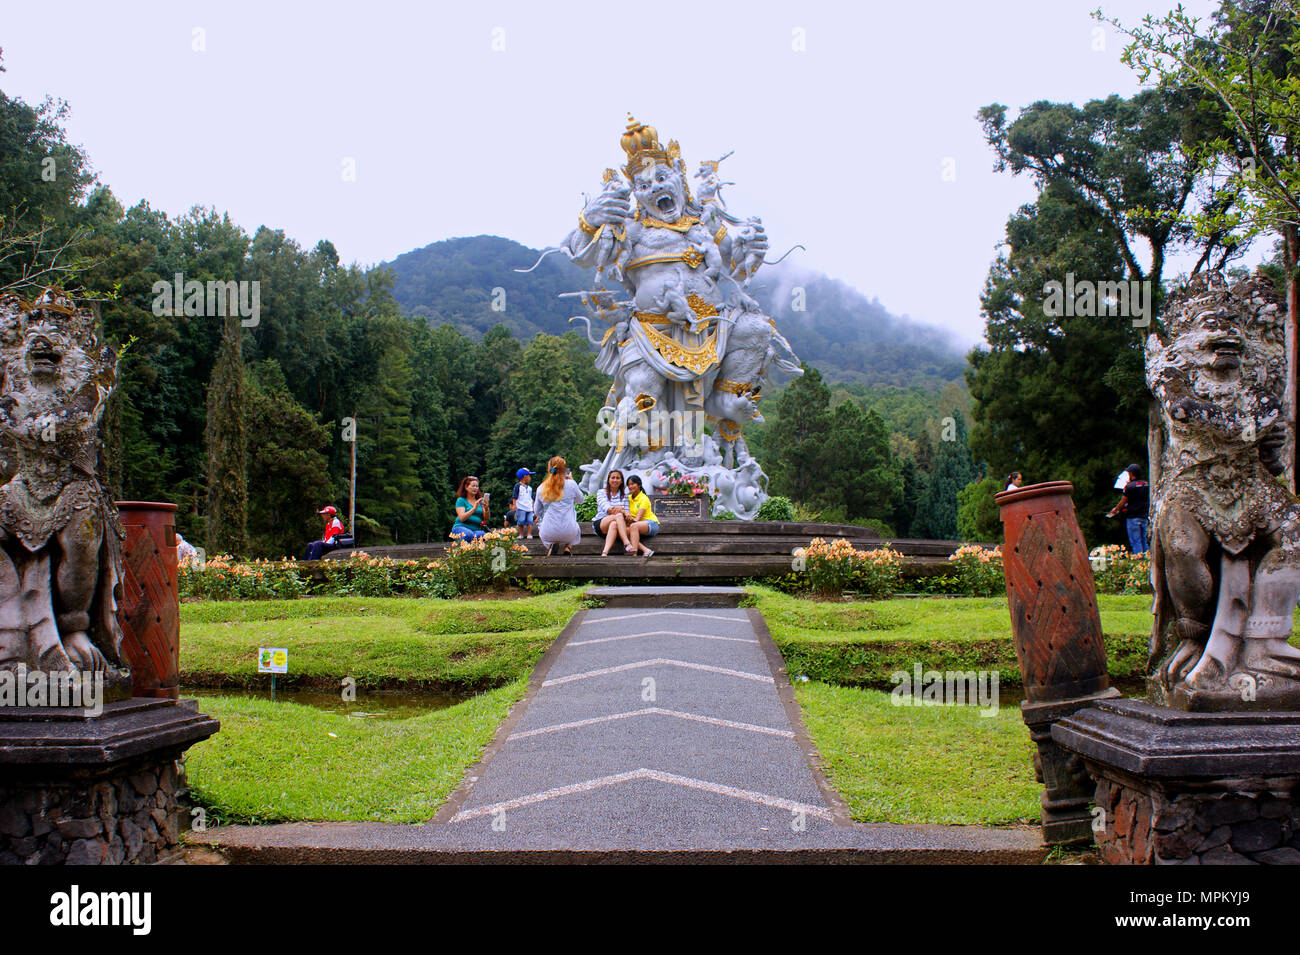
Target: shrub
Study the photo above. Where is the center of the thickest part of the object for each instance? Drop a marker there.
(725, 516)
(978, 516)
(1116, 571)
(881, 572)
(831, 566)
(490, 561)
(586, 510)
(776, 509)
(221, 578)
(979, 570)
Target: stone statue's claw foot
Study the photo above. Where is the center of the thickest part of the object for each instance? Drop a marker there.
(1180, 663)
(85, 656)
(1208, 674)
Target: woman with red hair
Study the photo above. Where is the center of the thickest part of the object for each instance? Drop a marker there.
(561, 495)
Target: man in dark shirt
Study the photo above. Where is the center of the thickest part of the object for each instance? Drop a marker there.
(1133, 507)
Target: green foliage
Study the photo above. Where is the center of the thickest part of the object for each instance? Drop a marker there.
(837, 460)
(776, 508)
(227, 445)
(936, 513)
(491, 561)
(979, 570)
(586, 509)
(1063, 397)
(977, 512)
(284, 452)
(829, 567)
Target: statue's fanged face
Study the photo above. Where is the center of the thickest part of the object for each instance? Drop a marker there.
(44, 352)
(661, 192)
(1217, 339)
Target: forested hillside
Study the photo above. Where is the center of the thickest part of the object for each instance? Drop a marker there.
(832, 326)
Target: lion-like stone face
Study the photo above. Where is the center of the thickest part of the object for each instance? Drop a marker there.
(1214, 342)
(661, 192)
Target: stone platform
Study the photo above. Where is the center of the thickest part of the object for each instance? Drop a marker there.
(697, 551)
(87, 789)
(649, 734)
(1190, 788)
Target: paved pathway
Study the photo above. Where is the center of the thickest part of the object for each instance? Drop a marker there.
(653, 728)
(648, 730)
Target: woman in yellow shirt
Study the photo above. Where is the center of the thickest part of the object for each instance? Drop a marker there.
(644, 523)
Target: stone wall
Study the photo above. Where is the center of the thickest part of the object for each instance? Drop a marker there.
(134, 813)
(1249, 821)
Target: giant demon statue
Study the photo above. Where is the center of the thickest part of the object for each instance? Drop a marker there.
(685, 342)
(1226, 546)
(60, 557)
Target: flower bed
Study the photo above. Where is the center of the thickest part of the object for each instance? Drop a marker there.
(828, 568)
(979, 570)
(466, 567)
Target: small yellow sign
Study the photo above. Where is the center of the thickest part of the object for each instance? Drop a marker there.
(272, 660)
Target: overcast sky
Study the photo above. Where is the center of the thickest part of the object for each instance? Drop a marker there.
(467, 118)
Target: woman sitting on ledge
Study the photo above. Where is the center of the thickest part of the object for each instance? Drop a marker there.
(611, 511)
(642, 522)
(471, 511)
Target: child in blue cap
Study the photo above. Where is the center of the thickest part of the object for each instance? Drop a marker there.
(521, 500)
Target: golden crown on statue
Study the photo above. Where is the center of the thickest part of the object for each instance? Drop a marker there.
(641, 143)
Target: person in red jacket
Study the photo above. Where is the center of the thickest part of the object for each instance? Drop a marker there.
(333, 528)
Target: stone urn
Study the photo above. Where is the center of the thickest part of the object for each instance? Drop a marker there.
(149, 608)
(1057, 632)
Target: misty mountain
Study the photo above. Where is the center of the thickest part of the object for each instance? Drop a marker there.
(840, 331)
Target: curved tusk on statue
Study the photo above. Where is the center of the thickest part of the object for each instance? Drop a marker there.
(545, 253)
(782, 258)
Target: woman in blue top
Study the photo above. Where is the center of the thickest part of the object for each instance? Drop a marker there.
(471, 511)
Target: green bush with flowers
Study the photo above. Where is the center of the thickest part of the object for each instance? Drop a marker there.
(1116, 571)
(828, 568)
(979, 570)
(466, 567)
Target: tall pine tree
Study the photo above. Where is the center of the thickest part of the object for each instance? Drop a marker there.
(227, 447)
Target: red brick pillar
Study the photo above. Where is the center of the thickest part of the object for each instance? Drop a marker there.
(149, 611)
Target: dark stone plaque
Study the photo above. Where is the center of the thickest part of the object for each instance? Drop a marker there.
(680, 507)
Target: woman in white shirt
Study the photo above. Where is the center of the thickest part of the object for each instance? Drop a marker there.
(611, 512)
(560, 494)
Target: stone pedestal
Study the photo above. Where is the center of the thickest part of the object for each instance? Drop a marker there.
(1178, 788)
(81, 789)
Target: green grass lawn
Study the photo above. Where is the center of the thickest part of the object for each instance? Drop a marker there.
(861, 643)
(280, 761)
(909, 764)
(388, 642)
(285, 761)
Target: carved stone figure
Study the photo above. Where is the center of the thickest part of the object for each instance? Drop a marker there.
(685, 343)
(60, 539)
(1225, 559)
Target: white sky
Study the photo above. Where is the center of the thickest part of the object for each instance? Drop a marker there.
(840, 147)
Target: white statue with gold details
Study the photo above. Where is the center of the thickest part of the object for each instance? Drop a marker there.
(684, 343)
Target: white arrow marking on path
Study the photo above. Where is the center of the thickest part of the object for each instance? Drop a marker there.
(659, 662)
(711, 720)
(776, 802)
(740, 618)
(655, 633)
